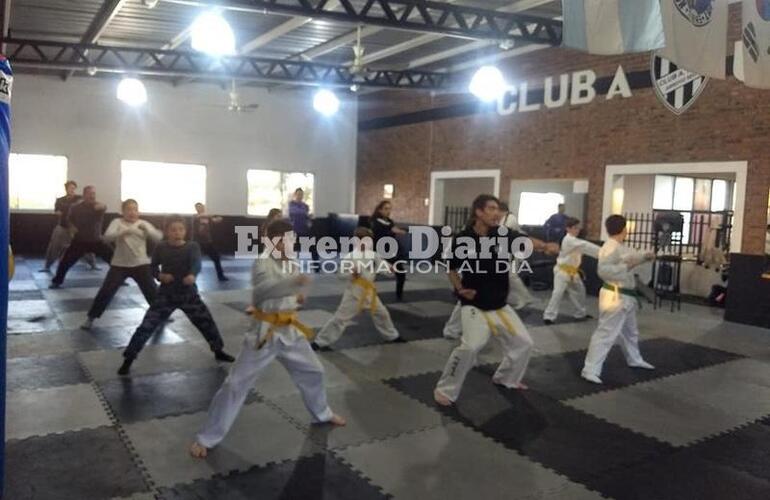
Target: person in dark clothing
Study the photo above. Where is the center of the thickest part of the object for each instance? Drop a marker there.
(481, 284)
(85, 219)
(175, 263)
(61, 237)
(383, 225)
(556, 225)
(203, 225)
(299, 214)
(302, 222)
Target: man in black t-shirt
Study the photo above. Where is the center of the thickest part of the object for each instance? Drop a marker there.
(61, 237)
(480, 279)
(85, 219)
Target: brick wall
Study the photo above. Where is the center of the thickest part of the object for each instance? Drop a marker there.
(729, 122)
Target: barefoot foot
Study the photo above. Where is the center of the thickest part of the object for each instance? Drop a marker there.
(197, 450)
(441, 399)
(338, 421)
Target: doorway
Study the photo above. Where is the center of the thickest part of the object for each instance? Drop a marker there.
(452, 192)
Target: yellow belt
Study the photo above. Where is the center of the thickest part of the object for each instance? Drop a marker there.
(572, 271)
(507, 323)
(369, 291)
(278, 319)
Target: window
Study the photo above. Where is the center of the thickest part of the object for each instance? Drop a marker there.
(688, 193)
(35, 181)
(683, 193)
(663, 193)
(272, 189)
(163, 187)
(719, 195)
(535, 208)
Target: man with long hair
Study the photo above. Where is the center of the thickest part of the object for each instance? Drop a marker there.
(481, 283)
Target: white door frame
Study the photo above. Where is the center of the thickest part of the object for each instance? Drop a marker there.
(739, 168)
(438, 175)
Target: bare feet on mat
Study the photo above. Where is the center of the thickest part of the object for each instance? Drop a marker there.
(441, 399)
(338, 421)
(197, 450)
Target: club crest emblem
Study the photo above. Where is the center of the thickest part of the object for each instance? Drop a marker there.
(675, 87)
(698, 12)
(763, 8)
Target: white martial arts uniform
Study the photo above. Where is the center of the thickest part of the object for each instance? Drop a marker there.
(566, 277)
(486, 315)
(274, 291)
(477, 326)
(518, 297)
(617, 311)
(360, 295)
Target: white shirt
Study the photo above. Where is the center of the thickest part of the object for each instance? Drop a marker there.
(275, 289)
(130, 241)
(615, 261)
(572, 250)
(365, 262)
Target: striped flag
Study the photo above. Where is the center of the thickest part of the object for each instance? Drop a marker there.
(608, 27)
(696, 35)
(754, 57)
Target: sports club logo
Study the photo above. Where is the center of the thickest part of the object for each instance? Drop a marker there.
(698, 12)
(763, 8)
(675, 87)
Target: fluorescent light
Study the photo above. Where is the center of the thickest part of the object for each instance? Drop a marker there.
(132, 92)
(325, 102)
(211, 34)
(487, 83)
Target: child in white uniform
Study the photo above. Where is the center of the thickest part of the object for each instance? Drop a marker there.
(360, 267)
(277, 333)
(618, 301)
(566, 273)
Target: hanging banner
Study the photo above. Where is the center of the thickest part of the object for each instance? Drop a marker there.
(6, 85)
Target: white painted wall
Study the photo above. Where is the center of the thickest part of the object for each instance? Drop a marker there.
(82, 119)
(638, 190)
(574, 202)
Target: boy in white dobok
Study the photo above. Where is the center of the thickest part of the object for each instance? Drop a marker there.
(360, 267)
(277, 333)
(566, 274)
(618, 302)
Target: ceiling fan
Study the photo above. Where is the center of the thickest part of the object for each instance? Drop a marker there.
(234, 104)
(358, 68)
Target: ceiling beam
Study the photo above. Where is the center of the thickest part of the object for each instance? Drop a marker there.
(99, 23)
(64, 56)
(518, 6)
(422, 16)
(279, 31)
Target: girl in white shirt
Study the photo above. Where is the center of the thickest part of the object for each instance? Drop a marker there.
(130, 260)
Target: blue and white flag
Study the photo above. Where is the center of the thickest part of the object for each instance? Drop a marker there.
(752, 55)
(696, 35)
(607, 27)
